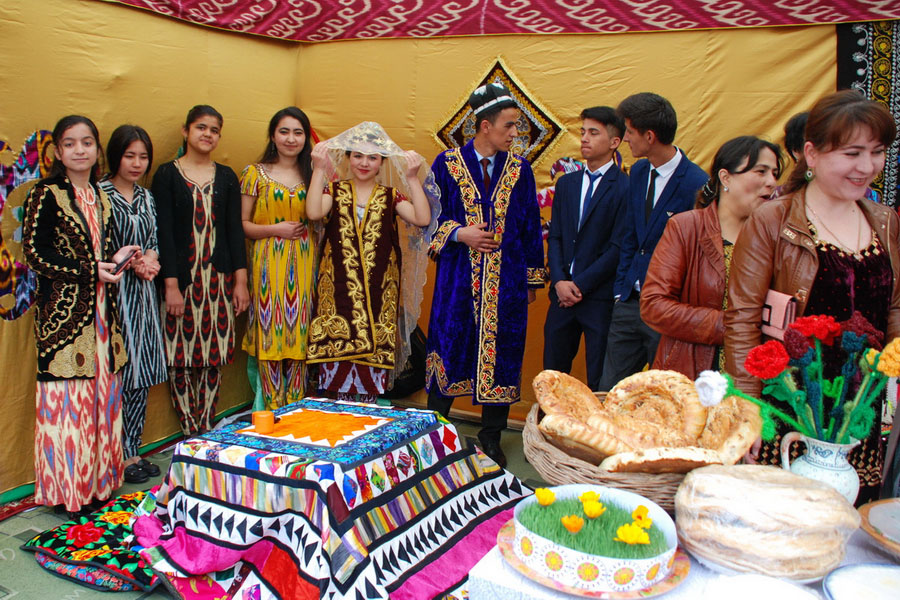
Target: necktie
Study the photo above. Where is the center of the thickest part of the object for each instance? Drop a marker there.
(592, 178)
(651, 193)
(487, 178)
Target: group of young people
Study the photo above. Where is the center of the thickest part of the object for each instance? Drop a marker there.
(671, 267)
(339, 235)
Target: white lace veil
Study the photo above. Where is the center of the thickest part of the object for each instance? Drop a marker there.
(370, 138)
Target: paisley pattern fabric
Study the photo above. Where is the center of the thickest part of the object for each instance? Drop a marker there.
(78, 422)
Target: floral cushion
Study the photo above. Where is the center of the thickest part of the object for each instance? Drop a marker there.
(93, 550)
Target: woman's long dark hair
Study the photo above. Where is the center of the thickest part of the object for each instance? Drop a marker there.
(304, 159)
(200, 110)
(57, 168)
(730, 157)
(118, 143)
(833, 120)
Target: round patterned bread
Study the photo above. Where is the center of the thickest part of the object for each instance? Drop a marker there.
(562, 394)
(731, 428)
(661, 460)
(667, 398)
(576, 438)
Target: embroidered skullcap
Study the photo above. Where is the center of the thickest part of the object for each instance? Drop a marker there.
(491, 96)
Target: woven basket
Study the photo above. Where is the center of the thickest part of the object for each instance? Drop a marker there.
(558, 468)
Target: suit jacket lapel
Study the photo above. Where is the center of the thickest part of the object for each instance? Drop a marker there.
(603, 187)
(664, 198)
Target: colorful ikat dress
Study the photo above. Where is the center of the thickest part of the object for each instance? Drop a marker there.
(281, 287)
(78, 421)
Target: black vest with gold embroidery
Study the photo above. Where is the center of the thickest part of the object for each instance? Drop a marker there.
(359, 281)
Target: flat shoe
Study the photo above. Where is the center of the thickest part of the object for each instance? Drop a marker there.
(148, 467)
(135, 474)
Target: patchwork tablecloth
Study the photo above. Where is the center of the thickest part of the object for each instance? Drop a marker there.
(341, 500)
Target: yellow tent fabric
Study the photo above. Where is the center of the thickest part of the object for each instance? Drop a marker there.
(118, 65)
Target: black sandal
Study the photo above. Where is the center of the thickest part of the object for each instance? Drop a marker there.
(148, 467)
(135, 474)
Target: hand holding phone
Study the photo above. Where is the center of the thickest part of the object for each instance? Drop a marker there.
(120, 266)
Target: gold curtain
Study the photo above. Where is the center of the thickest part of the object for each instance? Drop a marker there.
(118, 65)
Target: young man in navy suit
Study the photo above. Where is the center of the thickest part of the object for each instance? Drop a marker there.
(581, 250)
(663, 184)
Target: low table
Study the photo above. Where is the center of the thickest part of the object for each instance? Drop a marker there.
(341, 500)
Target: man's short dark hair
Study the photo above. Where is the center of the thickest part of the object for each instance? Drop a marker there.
(607, 116)
(794, 134)
(650, 112)
(490, 115)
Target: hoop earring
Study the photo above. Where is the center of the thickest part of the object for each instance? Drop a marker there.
(809, 175)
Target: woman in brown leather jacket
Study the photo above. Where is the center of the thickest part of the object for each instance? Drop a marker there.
(683, 297)
(825, 245)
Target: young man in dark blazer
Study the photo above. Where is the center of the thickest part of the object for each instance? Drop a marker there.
(581, 250)
(663, 184)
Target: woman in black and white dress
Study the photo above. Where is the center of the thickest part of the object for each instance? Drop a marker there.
(129, 156)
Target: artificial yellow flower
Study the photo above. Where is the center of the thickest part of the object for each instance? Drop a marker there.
(573, 523)
(593, 509)
(640, 517)
(889, 364)
(545, 497)
(588, 497)
(871, 355)
(631, 533)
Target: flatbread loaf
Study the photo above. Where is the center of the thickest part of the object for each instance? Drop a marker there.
(562, 394)
(731, 428)
(576, 438)
(664, 397)
(763, 519)
(661, 460)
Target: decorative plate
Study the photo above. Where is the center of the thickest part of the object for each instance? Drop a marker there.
(881, 520)
(680, 569)
(867, 580)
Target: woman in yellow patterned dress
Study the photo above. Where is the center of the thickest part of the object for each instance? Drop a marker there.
(273, 212)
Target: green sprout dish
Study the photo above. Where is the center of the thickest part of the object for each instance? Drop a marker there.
(597, 535)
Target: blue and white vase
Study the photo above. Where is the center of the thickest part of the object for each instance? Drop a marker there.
(823, 461)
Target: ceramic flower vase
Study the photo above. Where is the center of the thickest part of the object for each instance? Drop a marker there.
(823, 461)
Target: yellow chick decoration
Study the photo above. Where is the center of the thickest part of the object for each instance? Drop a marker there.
(640, 517)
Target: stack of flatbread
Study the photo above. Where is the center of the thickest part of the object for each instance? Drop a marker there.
(651, 422)
(762, 519)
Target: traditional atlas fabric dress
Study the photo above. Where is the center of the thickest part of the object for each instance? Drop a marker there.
(281, 288)
(354, 333)
(199, 343)
(78, 418)
(134, 223)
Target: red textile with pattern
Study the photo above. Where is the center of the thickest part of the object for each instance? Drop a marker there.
(321, 20)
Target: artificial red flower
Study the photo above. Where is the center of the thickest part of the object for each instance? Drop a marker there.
(767, 361)
(822, 327)
(82, 535)
(859, 325)
(796, 344)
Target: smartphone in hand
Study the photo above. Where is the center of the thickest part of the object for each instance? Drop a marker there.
(121, 265)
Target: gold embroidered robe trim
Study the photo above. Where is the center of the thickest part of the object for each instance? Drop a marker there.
(486, 268)
(57, 246)
(359, 278)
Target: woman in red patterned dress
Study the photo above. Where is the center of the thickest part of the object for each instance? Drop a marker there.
(67, 240)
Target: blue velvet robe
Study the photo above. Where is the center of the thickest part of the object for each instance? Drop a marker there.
(476, 334)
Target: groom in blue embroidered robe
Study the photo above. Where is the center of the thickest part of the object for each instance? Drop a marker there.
(490, 260)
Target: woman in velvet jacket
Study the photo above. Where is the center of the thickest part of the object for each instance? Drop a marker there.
(683, 297)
